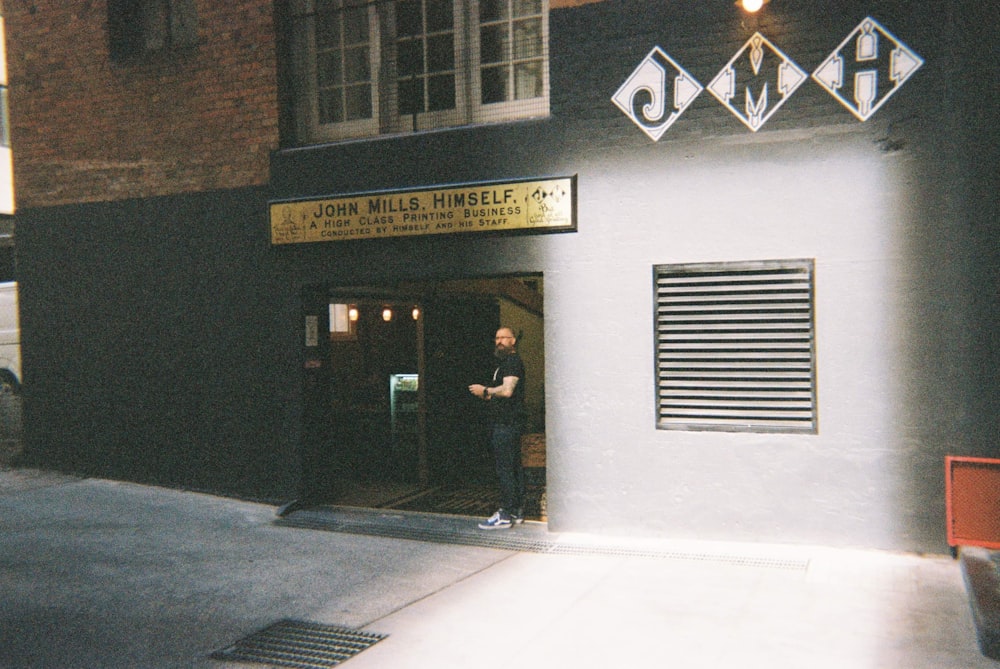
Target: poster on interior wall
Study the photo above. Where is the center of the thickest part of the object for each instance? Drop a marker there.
(516, 207)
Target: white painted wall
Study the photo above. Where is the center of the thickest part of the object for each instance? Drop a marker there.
(843, 203)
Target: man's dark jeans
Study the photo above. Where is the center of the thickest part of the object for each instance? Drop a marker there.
(510, 473)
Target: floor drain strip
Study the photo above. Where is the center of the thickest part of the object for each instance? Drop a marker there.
(301, 644)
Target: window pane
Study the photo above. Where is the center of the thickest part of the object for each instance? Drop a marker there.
(492, 10)
(527, 7)
(356, 65)
(330, 110)
(356, 25)
(411, 58)
(358, 100)
(409, 18)
(528, 38)
(494, 84)
(492, 44)
(328, 29)
(328, 70)
(441, 91)
(528, 80)
(411, 96)
(439, 15)
(440, 53)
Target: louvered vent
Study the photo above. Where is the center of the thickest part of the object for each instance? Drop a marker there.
(735, 346)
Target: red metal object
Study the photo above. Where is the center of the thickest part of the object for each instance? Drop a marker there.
(972, 500)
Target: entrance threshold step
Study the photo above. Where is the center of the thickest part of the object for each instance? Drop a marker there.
(531, 536)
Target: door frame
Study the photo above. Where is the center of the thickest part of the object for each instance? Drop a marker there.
(519, 289)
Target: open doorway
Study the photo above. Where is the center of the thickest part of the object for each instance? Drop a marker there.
(402, 431)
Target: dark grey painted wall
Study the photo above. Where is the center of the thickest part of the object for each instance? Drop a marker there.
(156, 335)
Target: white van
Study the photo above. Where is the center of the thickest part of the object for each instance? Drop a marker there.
(10, 339)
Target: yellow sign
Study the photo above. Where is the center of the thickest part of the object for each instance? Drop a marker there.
(527, 206)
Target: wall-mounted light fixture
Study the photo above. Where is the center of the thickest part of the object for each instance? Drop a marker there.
(386, 314)
(352, 314)
(751, 5)
(416, 313)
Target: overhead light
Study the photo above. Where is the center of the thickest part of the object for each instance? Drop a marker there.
(751, 5)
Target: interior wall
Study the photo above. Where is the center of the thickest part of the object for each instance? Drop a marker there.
(531, 346)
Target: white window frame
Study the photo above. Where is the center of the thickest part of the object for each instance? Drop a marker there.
(307, 102)
(386, 118)
(429, 120)
(510, 109)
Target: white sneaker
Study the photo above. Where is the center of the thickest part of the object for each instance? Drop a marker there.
(498, 521)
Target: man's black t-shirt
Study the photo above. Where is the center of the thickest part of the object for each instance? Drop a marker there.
(509, 411)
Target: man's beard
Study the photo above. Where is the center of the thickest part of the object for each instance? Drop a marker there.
(502, 351)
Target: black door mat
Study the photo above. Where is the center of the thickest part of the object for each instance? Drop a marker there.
(296, 643)
(469, 500)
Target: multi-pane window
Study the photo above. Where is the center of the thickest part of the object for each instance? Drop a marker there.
(512, 59)
(426, 68)
(735, 346)
(344, 68)
(137, 28)
(362, 69)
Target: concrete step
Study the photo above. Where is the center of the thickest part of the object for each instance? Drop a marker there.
(981, 568)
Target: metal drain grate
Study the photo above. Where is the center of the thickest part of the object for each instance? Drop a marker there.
(296, 643)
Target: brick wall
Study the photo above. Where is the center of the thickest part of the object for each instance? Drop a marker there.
(86, 129)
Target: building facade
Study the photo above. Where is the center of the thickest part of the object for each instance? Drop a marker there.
(751, 257)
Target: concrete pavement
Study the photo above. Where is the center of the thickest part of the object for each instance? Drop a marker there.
(96, 573)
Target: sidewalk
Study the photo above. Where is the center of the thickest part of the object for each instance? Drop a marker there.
(95, 573)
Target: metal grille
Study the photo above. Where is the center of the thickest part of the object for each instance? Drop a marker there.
(735, 346)
(295, 643)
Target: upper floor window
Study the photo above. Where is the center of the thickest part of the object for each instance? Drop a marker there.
(364, 69)
(137, 28)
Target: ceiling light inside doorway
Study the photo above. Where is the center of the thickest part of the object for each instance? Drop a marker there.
(751, 5)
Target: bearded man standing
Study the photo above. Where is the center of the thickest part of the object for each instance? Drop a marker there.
(505, 393)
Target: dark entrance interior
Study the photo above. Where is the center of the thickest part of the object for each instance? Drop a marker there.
(389, 420)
